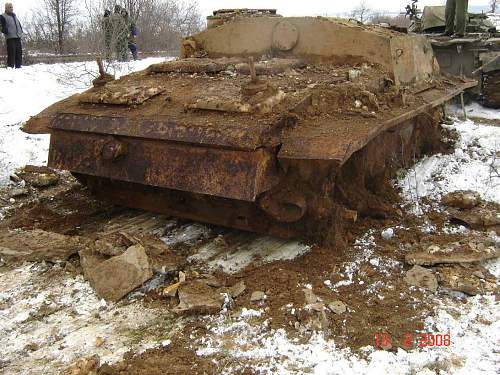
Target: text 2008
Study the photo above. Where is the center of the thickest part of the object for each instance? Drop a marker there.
(410, 340)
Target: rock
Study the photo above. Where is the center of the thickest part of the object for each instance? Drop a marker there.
(182, 277)
(107, 248)
(467, 278)
(171, 290)
(422, 277)
(354, 75)
(112, 279)
(237, 289)
(349, 215)
(258, 296)
(310, 297)
(456, 253)
(84, 366)
(38, 245)
(388, 234)
(196, 297)
(462, 199)
(44, 180)
(337, 307)
(477, 218)
(15, 178)
(318, 306)
(15, 193)
(99, 341)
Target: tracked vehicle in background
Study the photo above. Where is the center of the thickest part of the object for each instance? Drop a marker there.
(476, 55)
(282, 126)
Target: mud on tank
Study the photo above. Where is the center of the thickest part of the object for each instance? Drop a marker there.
(284, 126)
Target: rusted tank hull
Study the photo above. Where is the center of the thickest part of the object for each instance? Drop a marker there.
(330, 194)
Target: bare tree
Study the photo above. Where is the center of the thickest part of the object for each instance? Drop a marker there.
(361, 12)
(52, 22)
(493, 6)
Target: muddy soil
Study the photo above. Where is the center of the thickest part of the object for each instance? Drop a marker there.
(367, 276)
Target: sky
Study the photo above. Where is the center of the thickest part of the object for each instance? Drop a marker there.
(285, 7)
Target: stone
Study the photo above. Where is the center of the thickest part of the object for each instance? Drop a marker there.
(456, 253)
(38, 245)
(99, 341)
(107, 248)
(182, 277)
(20, 192)
(477, 218)
(44, 180)
(462, 199)
(84, 366)
(237, 289)
(171, 290)
(470, 279)
(310, 297)
(318, 306)
(354, 75)
(422, 278)
(114, 278)
(337, 307)
(258, 296)
(196, 297)
(387, 234)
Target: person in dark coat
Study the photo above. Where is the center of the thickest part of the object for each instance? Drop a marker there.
(132, 45)
(12, 30)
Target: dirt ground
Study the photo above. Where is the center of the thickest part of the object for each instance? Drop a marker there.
(367, 278)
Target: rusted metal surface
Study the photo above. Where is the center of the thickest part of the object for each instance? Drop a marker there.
(220, 172)
(167, 129)
(327, 141)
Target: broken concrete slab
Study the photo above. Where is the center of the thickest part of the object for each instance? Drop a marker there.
(464, 199)
(454, 253)
(422, 278)
(467, 278)
(38, 245)
(196, 297)
(112, 279)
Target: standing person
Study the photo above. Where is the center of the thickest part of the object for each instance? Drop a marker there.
(13, 32)
(456, 17)
(108, 34)
(132, 45)
(119, 34)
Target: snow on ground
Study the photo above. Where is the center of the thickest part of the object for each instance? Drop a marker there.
(27, 91)
(476, 110)
(49, 319)
(45, 326)
(473, 325)
(474, 165)
(474, 328)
